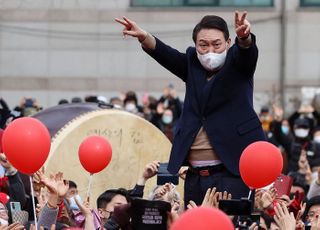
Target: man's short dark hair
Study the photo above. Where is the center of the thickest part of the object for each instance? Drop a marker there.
(211, 22)
(108, 195)
(63, 101)
(131, 96)
(76, 100)
(72, 184)
(299, 180)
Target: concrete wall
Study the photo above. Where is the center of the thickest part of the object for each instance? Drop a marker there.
(54, 49)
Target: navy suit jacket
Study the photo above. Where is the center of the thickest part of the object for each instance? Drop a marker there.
(222, 105)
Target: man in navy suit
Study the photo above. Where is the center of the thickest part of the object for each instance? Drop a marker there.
(218, 120)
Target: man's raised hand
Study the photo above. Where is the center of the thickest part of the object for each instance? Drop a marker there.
(241, 24)
(132, 29)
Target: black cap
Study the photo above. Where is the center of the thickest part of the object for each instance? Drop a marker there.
(302, 122)
(264, 109)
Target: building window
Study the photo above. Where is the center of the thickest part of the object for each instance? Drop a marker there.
(214, 3)
(309, 2)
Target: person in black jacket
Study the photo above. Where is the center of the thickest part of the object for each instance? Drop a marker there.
(15, 187)
(296, 143)
(218, 120)
(171, 101)
(5, 113)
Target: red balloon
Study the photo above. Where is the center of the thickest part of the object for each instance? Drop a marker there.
(95, 154)
(26, 143)
(260, 164)
(203, 218)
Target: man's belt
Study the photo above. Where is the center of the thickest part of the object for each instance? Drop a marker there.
(207, 170)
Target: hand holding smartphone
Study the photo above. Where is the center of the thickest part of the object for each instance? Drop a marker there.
(164, 176)
(283, 185)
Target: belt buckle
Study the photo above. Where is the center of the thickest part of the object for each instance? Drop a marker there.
(204, 172)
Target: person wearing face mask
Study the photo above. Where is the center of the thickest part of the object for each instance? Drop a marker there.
(285, 127)
(282, 134)
(167, 124)
(165, 121)
(301, 142)
(308, 112)
(130, 104)
(209, 138)
(131, 107)
(106, 203)
(77, 217)
(72, 194)
(170, 100)
(167, 117)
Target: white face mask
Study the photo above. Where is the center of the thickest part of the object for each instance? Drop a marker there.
(73, 204)
(131, 107)
(316, 139)
(3, 222)
(301, 133)
(212, 61)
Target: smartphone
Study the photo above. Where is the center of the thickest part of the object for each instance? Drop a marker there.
(239, 207)
(164, 176)
(283, 185)
(15, 206)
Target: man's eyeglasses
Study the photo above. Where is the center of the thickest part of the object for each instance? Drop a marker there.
(107, 211)
(313, 214)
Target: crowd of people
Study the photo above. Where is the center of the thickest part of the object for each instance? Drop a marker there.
(163, 112)
(59, 205)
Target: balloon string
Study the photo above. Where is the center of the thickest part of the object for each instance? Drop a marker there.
(33, 203)
(250, 191)
(89, 187)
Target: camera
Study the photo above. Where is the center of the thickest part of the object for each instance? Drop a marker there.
(164, 176)
(239, 207)
(242, 209)
(244, 222)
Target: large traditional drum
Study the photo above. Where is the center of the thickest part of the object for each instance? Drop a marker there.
(135, 142)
